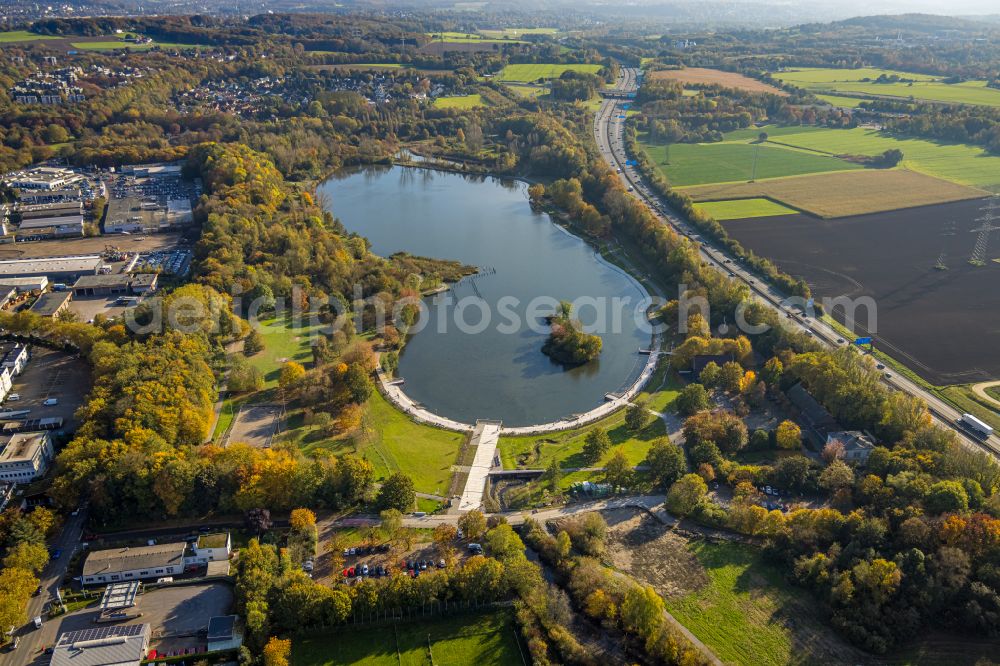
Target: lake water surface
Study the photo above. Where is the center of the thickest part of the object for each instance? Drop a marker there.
(488, 222)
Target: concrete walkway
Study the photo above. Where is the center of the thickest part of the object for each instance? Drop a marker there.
(393, 391)
(484, 438)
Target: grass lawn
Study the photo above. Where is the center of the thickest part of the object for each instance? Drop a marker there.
(743, 208)
(393, 443)
(14, 36)
(687, 164)
(537, 451)
(746, 612)
(962, 397)
(536, 71)
(527, 90)
(459, 102)
(923, 87)
(283, 341)
(485, 640)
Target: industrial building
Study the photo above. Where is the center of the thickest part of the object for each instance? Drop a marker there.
(56, 209)
(43, 178)
(51, 303)
(135, 215)
(58, 269)
(51, 227)
(212, 548)
(25, 456)
(125, 564)
(25, 284)
(122, 645)
(120, 284)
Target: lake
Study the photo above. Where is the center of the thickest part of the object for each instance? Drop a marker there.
(494, 368)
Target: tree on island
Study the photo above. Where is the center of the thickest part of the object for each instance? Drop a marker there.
(567, 344)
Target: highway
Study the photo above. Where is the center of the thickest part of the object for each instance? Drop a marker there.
(609, 129)
(34, 641)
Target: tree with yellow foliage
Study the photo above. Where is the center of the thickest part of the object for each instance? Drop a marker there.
(788, 435)
(277, 651)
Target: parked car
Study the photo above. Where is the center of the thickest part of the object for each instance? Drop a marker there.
(308, 565)
(442, 564)
(364, 569)
(475, 549)
(55, 553)
(13, 397)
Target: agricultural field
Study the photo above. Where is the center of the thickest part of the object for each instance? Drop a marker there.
(914, 265)
(842, 101)
(113, 44)
(514, 33)
(957, 162)
(459, 102)
(920, 86)
(703, 76)
(469, 38)
(834, 195)
(686, 164)
(536, 71)
(485, 640)
(744, 208)
(18, 36)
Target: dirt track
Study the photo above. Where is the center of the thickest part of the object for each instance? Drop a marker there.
(93, 245)
(980, 390)
(944, 324)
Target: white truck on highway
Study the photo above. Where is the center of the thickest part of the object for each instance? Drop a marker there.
(975, 426)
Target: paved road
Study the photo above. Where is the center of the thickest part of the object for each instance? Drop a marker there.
(30, 649)
(609, 133)
(643, 502)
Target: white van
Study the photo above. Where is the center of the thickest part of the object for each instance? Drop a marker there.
(38, 622)
(165, 579)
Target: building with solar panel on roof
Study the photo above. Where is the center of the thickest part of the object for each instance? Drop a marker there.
(122, 645)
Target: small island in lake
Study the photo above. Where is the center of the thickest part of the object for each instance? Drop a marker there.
(567, 344)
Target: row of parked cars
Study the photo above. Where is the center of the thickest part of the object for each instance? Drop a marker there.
(366, 550)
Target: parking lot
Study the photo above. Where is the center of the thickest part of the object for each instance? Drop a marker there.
(86, 309)
(178, 615)
(50, 374)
